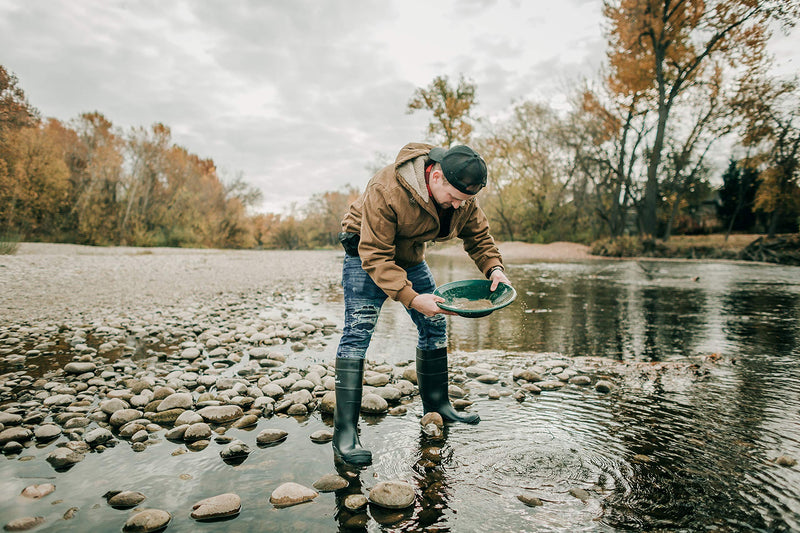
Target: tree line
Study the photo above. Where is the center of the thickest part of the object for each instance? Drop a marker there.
(686, 83)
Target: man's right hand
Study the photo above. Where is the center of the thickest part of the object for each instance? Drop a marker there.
(426, 304)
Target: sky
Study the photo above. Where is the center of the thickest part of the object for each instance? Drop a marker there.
(296, 96)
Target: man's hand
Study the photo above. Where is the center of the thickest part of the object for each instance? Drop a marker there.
(426, 304)
(498, 276)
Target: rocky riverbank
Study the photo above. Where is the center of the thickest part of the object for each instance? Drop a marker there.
(130, 350)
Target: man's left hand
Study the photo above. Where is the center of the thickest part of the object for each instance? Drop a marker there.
(498, 276)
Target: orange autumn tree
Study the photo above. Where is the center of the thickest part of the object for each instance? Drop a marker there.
(662, 47)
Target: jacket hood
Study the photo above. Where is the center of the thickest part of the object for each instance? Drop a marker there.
(410, 168)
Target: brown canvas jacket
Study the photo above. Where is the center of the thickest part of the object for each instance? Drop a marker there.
(396, 218)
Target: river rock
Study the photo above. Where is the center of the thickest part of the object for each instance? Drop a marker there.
(354, 502)
(179, 400)
(271, 436)
(246, 421)
(330, 483)
(219, 414)
(432, 418)
(58, 399)
(17, 434)
(374, 404)
(24, 523)
(530, 501)
(164, 417)
(123, 416)
(98, 436)
(580, 493)
(551, 384)
(328, 403)
(35, 492)
(63, 458)
(526, 375)
(321, 436)
(220, 506)
(392, 494)
(603, 386)
(195, 432)
(9, 419)
(79, 368)
(190, 354)
(147, 520)
(113, 405)
(188, 417)
(235, 450)
(580, 380)
(290, 494)
(125, 499)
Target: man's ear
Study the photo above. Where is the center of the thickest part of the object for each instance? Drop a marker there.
(437, 174)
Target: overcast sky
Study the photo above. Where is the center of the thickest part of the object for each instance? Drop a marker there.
(298, 96)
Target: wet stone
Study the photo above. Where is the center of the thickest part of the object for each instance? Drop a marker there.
(330, 483)
(17, 434)
(291, 493)
(147, 520)
(271, 436)
(530, 501)
(24, 524)
(125, 499)
(195, 432)
(35, 492)
(354, 502)
(179, 400)
(221, 413)
(62, 458)
(321, 436)
(374, 404)
(215, 507)
(392, 494)
(603, 386)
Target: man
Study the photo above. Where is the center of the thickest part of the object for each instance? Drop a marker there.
(428, 194)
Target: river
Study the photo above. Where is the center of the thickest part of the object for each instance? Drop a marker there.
(678, 452)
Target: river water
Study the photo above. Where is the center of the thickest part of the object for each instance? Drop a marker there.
(678, 452)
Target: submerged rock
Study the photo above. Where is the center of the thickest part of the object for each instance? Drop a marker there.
(147, 520)
(290, 494)
(392, 494)
(215, 507)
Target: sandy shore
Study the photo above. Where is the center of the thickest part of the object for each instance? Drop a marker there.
(58, 281)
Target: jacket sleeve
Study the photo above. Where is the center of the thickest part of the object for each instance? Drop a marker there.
(478, 243)
(377, 246)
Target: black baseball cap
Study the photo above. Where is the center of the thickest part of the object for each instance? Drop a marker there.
(463, 167)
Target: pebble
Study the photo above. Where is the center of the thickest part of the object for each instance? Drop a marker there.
(291, 493)
(63, 458)
(220, 414)
(215, 507)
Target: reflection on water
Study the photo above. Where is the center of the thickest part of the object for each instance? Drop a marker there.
(674, 452)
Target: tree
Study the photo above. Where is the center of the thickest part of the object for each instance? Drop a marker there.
(770, 110)
(15, 111)
(663, 46)
(451, 108)
(606, 132)
(737, 197)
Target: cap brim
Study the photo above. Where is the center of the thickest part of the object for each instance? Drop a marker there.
(437, 154)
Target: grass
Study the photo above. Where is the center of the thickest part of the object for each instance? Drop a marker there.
(9, 243)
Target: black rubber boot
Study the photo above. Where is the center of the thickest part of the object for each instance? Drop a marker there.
(346, 446)
(432, 381)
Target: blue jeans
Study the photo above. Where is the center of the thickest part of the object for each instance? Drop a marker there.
(362, 306)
